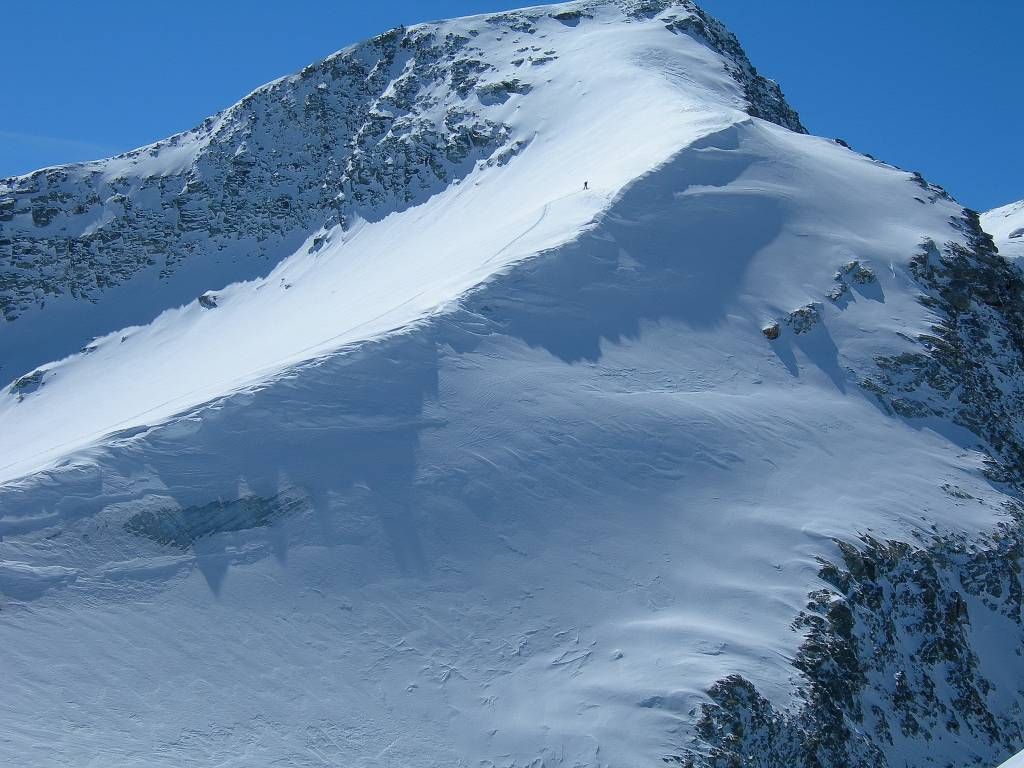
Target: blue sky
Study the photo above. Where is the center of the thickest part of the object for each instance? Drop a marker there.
(929, 85)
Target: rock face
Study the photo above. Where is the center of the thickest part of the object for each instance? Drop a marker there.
(764, 97)
(893, 666)
(183, 527)
(373, 129)
(970, 369)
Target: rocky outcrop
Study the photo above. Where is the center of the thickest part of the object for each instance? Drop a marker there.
(892, 669)
(347, 137)
(373, 129)
(27, 384)
(803, 319)
(900, 661)
(970, 368)
(764, 97)
(182, 527)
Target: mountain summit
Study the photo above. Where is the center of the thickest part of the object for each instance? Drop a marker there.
(523, 389)
(401, 128)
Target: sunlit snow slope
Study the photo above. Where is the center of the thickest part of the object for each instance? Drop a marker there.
(1006, 225)
(611, 102)
(491, 469)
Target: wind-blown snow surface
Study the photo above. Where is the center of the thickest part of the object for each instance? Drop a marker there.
(1006, 225)
(507, 476)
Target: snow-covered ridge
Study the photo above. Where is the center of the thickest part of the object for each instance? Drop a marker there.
(468, 152)
(376, 128)
(1006, 225)
(716, 462)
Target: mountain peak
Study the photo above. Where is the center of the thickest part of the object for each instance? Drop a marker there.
(524, 389)
(370, 131)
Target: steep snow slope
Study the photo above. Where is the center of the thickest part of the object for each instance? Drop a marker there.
(623, 96)
(1006, 225)
(374, 129)
(714, 462)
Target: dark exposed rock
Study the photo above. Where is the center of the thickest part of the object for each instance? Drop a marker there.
(27, 384)
(838, 292)
(851, 273)
(355, 135)
(358, 143)
(970, 368)
(764, 97)
(182, 527)
(803, 319)
(890, 665)
(856, 272)
(497, 93)
(570, 18)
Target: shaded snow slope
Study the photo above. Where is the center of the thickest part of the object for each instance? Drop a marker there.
(536, 527)
(1006, 225)
(519, 473)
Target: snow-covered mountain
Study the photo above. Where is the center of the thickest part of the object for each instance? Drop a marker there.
(524, 389)
(1006, 225)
